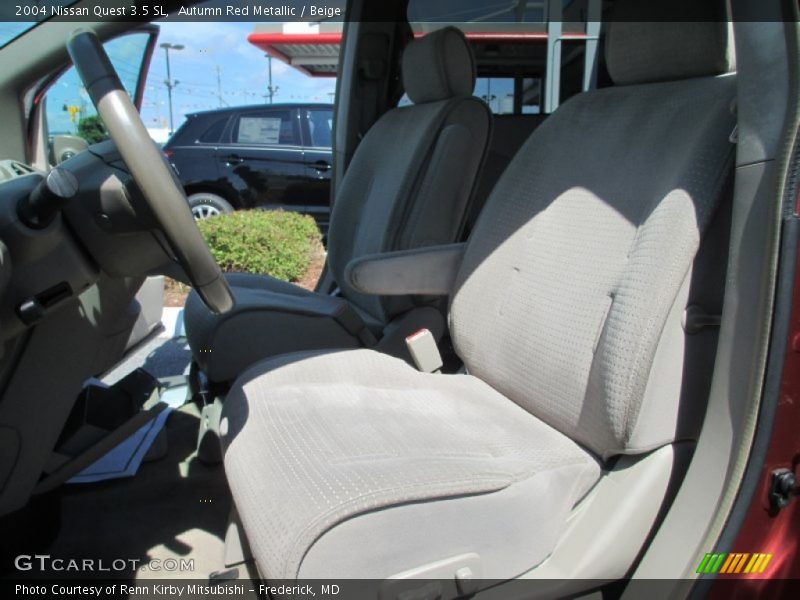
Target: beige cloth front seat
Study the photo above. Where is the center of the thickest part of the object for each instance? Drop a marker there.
(566, 309)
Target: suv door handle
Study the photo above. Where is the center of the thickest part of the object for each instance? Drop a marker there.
(321, 165)
(233, 159)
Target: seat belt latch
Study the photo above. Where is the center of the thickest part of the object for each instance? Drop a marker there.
(424, 351)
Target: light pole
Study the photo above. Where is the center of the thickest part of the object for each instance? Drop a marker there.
(271, 91)
(219, 86)
(489, 97)
(169, 83)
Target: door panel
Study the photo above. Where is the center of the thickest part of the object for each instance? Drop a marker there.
(264, 159)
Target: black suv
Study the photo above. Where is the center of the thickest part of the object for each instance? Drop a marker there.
(265, 156)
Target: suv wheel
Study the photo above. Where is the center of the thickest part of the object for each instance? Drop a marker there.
(206, 204)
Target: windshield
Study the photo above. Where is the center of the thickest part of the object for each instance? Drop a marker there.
(10, 31)
(16, 20)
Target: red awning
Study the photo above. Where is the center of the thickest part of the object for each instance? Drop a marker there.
(317, 54)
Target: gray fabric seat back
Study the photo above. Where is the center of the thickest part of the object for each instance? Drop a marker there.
(411, 178)
(570, 296)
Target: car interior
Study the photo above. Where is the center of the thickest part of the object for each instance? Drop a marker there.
(594, 286)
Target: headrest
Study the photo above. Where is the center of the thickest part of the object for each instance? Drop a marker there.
(643, 45)
(438, 66)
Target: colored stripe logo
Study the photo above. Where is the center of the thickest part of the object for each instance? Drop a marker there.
(729, 563)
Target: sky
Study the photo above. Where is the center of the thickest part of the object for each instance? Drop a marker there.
(207, 46)
(243, 68)
(212, 47)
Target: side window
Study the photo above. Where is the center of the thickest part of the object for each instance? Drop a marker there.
(213, 134)
(532, 89)
(497, 92)
(275, 127)
(320, 126)
(72, 121)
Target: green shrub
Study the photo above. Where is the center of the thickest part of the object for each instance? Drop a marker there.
(276, 243)
(92, 129)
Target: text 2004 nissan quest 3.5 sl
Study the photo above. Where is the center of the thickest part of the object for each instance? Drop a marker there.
(553, 350)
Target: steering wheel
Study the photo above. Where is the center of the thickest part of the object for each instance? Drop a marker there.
(149, 169)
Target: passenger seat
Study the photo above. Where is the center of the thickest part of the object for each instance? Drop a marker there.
(407, 186)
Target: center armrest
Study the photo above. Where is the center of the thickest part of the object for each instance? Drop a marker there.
(429, 271)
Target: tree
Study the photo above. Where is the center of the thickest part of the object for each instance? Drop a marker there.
(92, 129)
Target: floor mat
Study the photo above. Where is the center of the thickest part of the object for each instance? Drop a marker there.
(174, 508)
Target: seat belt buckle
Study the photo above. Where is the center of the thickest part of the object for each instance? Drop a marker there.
(424, 351)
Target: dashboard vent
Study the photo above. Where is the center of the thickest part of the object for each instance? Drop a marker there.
(20, 169)
(11, 169)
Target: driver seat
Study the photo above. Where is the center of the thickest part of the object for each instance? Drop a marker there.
(408, 185)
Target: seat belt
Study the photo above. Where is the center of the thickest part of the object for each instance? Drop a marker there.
(424, 351)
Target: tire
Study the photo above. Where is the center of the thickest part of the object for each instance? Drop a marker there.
(205, 205)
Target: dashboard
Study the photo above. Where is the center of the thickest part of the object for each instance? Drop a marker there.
(42, 266)
(61, 230)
